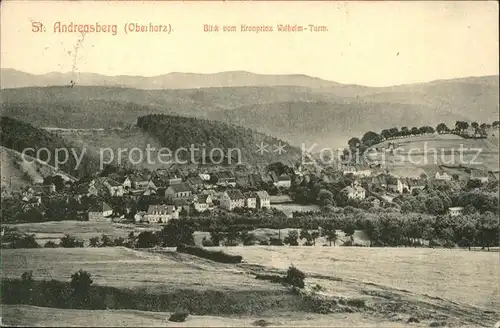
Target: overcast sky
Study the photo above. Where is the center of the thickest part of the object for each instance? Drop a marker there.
(369, 43)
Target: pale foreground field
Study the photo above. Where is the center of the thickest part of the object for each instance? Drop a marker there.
(456, 275)
(25, 315)
(439, 287)
(122, 267)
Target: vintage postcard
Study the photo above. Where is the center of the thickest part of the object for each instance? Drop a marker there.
(250, 163)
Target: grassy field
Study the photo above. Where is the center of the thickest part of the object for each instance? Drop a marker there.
(122, 267)
(54, 230)
(456, 286)
(457, 275)
(445, 141)
(19, 315)
(435, 286)
(422, 158)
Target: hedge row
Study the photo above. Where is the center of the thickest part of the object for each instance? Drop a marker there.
(217, 256)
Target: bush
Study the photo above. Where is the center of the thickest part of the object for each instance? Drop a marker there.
(295, 277)
(81, 281)
(50, 244)
(120, 241)
(347, 243)
(276, 242)
(146, 239)
(247, 238)
(80, 288)
(261, 323)
(178, 316)
(24, 241)
(69, 241)
(217, 256)
(292, 238)
(27, 277)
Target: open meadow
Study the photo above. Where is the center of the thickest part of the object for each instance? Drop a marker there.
(18, 315)
(125, 268)
(456, 275)
(387, 285)
(84, 230)
(424, 153)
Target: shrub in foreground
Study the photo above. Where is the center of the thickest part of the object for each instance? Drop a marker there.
(295, 277)
(51, 244)
(261, 323)
(178, 316)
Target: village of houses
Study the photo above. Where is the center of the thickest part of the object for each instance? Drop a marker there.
(182, 191)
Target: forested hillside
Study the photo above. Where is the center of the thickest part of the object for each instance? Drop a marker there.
(18, 136)
(296, 111)
(175, 132)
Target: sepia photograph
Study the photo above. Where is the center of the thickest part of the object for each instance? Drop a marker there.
(250, 164)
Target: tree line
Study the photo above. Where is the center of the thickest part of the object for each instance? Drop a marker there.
(384, 228)
(371, 138)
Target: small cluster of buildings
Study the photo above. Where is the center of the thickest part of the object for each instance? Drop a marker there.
(229, 200)
(354, 191)
(234, 198)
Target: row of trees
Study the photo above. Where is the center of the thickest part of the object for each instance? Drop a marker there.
(382, 229)
(394, 229)
(461, 126)
(371, 138)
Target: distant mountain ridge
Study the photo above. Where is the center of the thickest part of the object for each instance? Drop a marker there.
(295, 108)
(12, 78)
